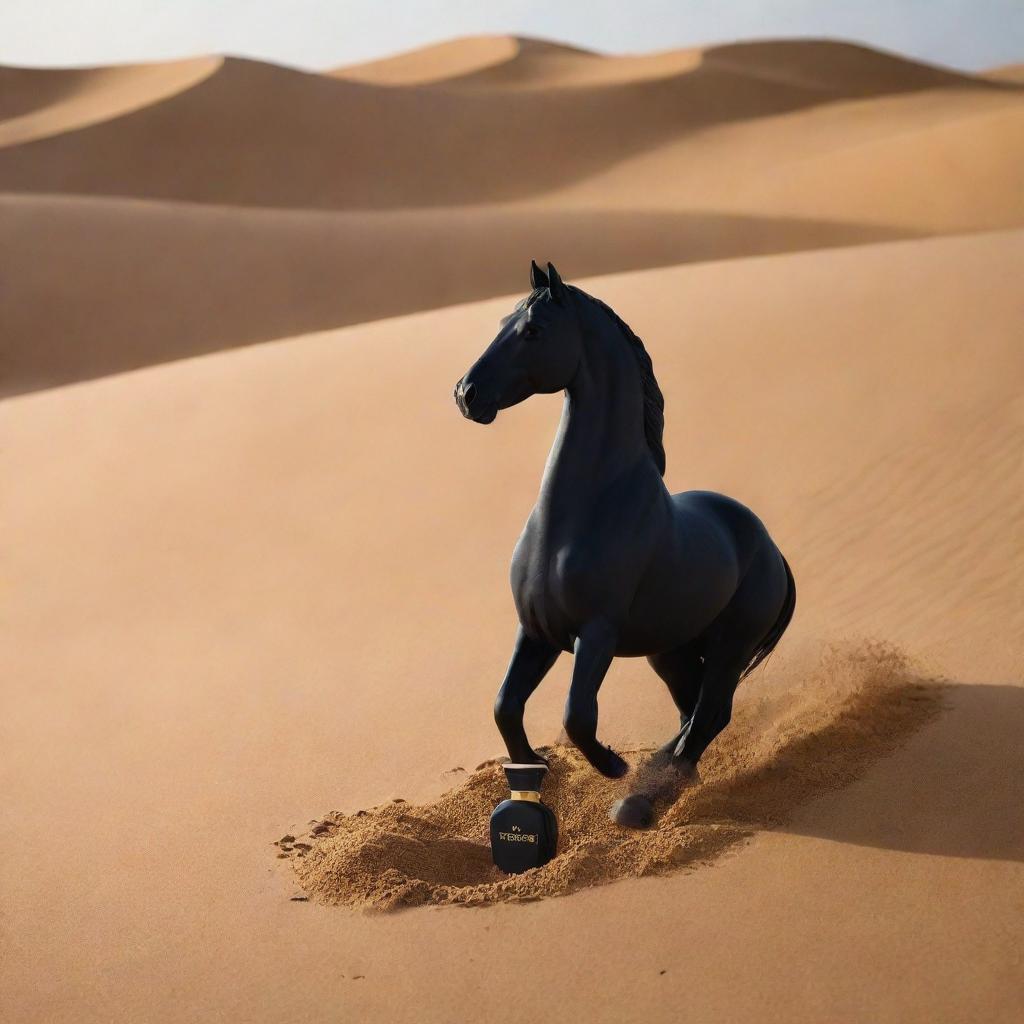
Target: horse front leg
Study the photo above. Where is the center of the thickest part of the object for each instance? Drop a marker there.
(594, 650)
(531, 660)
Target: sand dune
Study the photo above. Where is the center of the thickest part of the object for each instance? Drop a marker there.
(259, 590)
(505, 62)
(930, 153)
(253, 558)
(254, 134)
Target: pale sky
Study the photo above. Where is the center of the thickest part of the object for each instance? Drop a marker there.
(317, 34)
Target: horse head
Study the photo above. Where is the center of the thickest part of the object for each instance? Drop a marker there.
(536, 351)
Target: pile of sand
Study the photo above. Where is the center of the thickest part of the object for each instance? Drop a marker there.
(809, 737)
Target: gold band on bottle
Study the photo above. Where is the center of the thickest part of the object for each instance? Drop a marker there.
(525, 794)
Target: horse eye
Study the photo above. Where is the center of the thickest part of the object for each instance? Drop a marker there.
(530, 331)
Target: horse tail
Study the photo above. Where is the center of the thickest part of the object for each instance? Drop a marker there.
(774, 635)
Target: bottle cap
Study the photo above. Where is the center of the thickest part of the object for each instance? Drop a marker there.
(525, 777)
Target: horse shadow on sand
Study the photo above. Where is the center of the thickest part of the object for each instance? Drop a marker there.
(953, 789)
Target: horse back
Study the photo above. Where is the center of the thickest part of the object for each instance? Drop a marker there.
(744, 530)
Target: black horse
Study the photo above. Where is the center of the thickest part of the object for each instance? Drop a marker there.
(610, 563)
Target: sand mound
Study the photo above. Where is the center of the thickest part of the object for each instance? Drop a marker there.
(783, 748)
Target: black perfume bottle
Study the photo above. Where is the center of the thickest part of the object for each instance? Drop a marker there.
(524, 832)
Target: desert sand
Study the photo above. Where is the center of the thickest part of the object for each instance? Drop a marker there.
(255, 562)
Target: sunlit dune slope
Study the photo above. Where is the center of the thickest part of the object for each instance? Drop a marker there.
(936, 160)
(255, 134)
(954, 175)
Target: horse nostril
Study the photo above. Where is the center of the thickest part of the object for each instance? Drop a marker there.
(468, 394)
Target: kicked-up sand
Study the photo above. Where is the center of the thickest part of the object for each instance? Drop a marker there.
(797, 740)
(255, 605)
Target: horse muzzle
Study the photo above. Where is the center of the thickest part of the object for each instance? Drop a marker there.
(471, 405)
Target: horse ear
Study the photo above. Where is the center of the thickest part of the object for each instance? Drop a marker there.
(538, 279)
(555, 284)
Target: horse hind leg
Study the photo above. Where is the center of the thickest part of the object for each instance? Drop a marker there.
(728, 647)
(682, 670)
(736, 636)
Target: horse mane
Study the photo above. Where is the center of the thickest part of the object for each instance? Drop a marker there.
(654, 400)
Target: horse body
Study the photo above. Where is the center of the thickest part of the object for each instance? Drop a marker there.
(660, 571)
(610, 563)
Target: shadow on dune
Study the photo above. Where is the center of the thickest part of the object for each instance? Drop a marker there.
(794, 741)
(953, 791)
(259, 135)
(104, 286)
(24, 90)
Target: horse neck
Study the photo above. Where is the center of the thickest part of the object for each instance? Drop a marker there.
(601, 433)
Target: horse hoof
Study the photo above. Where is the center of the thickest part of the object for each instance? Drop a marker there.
(613, 766)
(633, 812)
